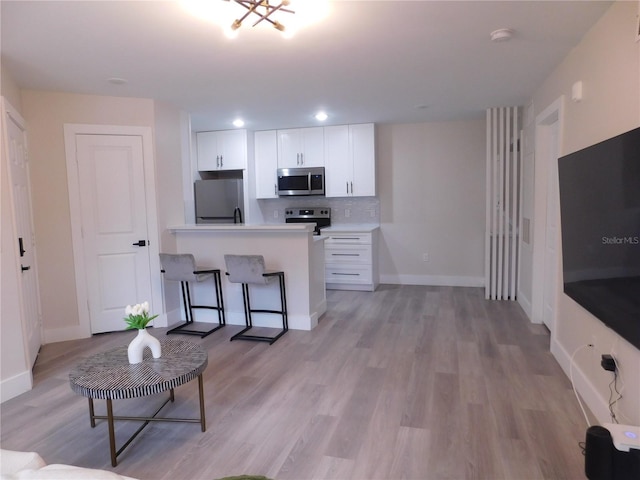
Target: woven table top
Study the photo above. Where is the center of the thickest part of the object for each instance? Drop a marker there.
(110, 375)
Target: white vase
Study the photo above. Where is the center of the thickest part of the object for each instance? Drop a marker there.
(143, 340)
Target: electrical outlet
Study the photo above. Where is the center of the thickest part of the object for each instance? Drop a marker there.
(425, 257)
(347, 213)
(275, 214)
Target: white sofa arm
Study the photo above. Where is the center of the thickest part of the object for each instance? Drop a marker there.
(30, 466)
(11, 462)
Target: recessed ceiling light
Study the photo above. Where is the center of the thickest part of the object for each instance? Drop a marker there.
(501, 35)
(422, 106)
(321, 116)
(238, 122)
(117, 81)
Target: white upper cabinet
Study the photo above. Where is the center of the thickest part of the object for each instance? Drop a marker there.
(301, 147)
(266, 161)
(222, 150)
(350, 161)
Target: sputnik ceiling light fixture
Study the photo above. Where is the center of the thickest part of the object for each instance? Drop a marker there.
(263, 9)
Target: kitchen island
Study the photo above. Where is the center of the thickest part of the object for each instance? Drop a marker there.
(291, 248)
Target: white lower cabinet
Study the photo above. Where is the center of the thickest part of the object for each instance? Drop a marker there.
(351, 260)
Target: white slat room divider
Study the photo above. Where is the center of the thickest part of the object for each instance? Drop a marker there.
(503, 203)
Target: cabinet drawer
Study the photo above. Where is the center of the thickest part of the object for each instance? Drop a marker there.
(347, 254)
(358, 238)
(348, 274)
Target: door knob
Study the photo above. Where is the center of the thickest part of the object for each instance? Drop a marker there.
(140, 243)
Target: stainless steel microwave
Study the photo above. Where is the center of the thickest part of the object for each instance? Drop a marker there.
(300, 181)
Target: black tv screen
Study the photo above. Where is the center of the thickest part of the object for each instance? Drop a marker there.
(600, 223)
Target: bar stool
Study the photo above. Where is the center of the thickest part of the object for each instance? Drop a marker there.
(182, 268)
(250, 269)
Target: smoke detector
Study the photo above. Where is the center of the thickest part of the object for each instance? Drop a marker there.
(501, 35)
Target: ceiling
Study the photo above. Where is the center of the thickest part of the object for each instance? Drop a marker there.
(368, 61)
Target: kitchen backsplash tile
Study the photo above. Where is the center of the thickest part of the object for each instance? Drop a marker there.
(343, 210)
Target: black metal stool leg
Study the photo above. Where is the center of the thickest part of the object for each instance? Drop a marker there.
(187, 327)
(219, 299)
(248, 311)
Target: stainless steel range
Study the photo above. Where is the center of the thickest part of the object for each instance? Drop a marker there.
(321, 216)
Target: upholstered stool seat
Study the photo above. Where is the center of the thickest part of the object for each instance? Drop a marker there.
(250, 270)
(182, 268)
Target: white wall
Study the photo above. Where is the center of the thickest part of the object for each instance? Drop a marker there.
(431, 185)
(9, 89)
(607, 61)
(171, 130)
(46, 113)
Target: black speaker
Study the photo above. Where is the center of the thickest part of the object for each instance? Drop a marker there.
(598, 454)
(603, 461)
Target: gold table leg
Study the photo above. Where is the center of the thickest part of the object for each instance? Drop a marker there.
(112, 434)
(92, 415)
(203, 422)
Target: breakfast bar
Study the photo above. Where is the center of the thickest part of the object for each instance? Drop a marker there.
(291, 248)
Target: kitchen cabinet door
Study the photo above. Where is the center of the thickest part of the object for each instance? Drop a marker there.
(207, 151)
(338, 163)
(233, 149)
(350, 161)
(222, 150)
(363, 154)
(301, 147)
(266, 158)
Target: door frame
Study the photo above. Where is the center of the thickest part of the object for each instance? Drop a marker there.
(73, 182)
(544, 122)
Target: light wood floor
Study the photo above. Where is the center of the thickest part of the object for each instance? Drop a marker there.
(408, 382)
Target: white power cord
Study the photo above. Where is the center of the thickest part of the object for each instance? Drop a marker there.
(573, 385)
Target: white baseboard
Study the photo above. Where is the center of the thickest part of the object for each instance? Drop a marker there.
(16, 385)
(525, 303)
(433, 280)
(53, 335)
(589, 394)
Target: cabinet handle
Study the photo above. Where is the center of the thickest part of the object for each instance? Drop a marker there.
(275, 189)
(347, 183)
(345, 254)
(217, 161)
(220, 161)
(351, 183)
(345, 238)
(302, 159)
(346, 274)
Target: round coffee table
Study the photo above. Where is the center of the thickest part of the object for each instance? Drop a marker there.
(109, 376)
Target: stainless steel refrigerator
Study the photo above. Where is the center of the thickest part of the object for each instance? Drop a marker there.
(219, 201)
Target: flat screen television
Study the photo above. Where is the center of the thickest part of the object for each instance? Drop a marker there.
(600, 224)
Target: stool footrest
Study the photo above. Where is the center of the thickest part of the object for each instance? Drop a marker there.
(256, 338)
(183, 329)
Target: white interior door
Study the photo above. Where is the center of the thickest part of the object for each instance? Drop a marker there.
(552, 239)
(20, 186)
(114, 226)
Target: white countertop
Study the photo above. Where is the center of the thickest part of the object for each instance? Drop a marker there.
(302, 228)
(351, 227)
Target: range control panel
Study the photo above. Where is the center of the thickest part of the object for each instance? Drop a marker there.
(308, 213)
